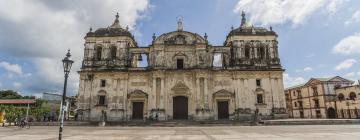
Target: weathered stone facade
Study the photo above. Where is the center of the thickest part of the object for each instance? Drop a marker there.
(185, 77)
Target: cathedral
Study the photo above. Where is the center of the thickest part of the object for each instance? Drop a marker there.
(181, 76)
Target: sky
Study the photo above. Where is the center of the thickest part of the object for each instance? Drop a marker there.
(317, 38)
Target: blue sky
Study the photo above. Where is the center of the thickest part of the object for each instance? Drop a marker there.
(317, 38)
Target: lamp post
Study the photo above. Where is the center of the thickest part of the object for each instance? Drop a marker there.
(67, 62)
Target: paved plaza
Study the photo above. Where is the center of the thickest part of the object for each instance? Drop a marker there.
(305, 132)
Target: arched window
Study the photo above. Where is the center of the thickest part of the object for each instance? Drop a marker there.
(341, 97)
(98, 53)
(352, 96)
(113, 52)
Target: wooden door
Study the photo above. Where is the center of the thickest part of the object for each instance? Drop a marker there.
(180, 107)
(138, 110)
(223, 110)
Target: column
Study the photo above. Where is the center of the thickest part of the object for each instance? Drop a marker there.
(162, 96)
(206, 93)
(197, 92)
(154, 99)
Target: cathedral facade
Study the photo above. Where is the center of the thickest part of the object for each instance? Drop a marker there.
(180, 76)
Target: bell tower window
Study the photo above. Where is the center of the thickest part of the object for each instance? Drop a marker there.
(113, 52)
(98, 53)
(180, 63)
(247, 52)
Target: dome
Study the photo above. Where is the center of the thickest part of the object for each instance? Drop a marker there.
(111, 31)
(248, 29)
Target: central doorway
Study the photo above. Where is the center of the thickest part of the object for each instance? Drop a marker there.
(180, 107)
(223, 109)
(138, 110)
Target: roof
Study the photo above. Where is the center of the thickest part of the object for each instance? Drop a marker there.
(296, 86)
(111, 31)
(319, 79)
(17, 101)
(324, 79)
(249, 30)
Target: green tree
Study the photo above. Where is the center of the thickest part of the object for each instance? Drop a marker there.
(9, 94)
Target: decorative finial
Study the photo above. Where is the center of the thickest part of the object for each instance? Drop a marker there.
(68, 53)
(153, 37)
(232, 27)
(90, 30)
(127, 27)
(179, 23)
(205, 36)
(116, 23)
(117, 15)
(243, 19)
(271, 29)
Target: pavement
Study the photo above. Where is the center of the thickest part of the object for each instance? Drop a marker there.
(287, 132)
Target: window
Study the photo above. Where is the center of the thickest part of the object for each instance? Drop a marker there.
(352, 96)
(299, 93)
(258, 82)
(103, 83)
(113, 52)
(261, 53)
(300, 104)
(316, 105)
(295, 104)
(180, 63)
(102, 100)
(341, 97)
(260, 99)
(247, 52)
(98, 53)
(315, 92)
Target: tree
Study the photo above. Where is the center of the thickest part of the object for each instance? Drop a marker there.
(9, 94)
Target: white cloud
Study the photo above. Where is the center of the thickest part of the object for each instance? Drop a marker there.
(348, 45)
(355, 18)
(345, 64)
(49, 28)
(308, 69)
(269, 12)
(14, 68)
(17, 85)
(334, 5)
(350, 74)
(291, 81)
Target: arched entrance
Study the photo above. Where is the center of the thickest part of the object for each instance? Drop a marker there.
(180, 107)
(331, 113)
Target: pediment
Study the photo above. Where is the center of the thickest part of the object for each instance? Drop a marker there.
(223, 93)
(137, 94)
(179, 38)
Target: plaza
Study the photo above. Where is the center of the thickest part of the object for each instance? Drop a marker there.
(289, 132)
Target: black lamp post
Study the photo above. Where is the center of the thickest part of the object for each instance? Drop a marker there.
(67, 62)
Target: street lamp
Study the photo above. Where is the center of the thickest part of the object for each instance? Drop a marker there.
(67, 62)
